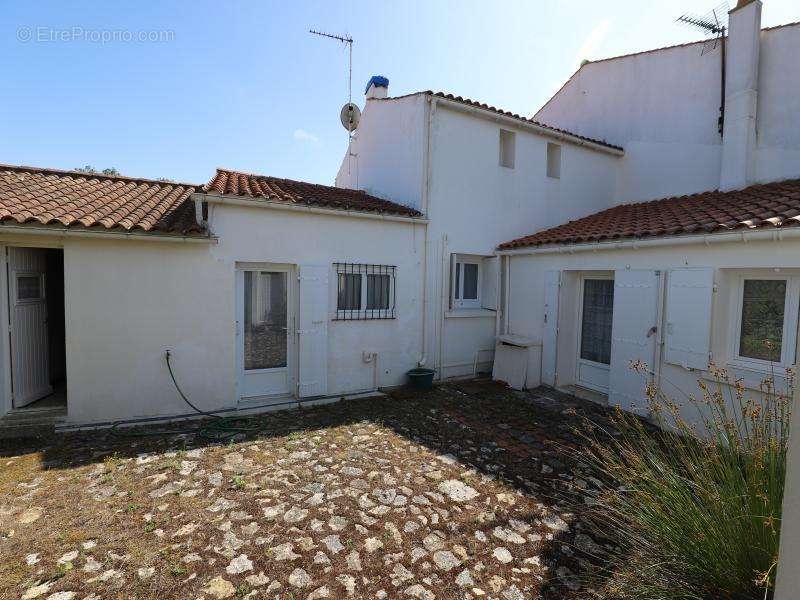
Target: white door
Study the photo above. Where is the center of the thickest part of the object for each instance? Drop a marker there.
(594, 332)
(633, 337)
(550, 341)
(264, 319)
(30, 377)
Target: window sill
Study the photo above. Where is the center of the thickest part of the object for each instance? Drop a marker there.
(458, 313)
(752, 376)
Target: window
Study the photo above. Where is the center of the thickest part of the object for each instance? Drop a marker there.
(507, 148)
(265, 320)
(365, 291)
(466, 282)
(598, 310)
(30, 287)
(553, 160)
(765, 330)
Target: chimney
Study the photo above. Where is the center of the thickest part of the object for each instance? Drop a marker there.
(377, 87)
(741, 96)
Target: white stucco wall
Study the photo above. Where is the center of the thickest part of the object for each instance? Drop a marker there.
(476, 204)
(527, 291)
(662, 106)
(386, 155)
(127, 302)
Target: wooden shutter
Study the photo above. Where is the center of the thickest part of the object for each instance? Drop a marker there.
(688, 326)
(633, 336)
(490, 282)
(550, 338)
(312, 333)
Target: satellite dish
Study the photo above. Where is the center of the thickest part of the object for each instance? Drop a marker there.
(350, 116)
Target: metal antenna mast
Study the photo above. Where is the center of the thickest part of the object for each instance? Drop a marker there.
(714, 25)
(347, 41)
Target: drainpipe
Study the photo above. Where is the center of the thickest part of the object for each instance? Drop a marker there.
(425, 211)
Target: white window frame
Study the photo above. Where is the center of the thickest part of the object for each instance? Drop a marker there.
(457, 300)
(554, 173)
(790, 322)
(364, 313)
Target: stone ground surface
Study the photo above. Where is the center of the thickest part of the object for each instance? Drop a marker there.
(453, 493)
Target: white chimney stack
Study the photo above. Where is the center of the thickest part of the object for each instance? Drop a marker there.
(377, 87)
(741, 96)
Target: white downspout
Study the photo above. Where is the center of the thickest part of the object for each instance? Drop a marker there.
(425, 211)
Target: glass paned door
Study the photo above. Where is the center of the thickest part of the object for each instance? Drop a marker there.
(594, 341)
(263, 329)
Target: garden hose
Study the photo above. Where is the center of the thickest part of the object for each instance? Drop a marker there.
(216, 428)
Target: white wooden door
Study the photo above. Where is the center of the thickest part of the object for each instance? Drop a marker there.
(30, 377)
(312, 331)
(264, 343)
(550, 339)
(633, 337)
(688, 324)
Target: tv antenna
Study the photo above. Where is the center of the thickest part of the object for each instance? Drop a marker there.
(715, 25)
(350, 112)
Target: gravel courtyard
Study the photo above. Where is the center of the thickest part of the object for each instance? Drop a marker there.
(460, 492)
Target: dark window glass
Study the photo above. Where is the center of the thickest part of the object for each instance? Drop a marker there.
(264, 320)
(470, 281)
(763, 304)
(378, 292)
(598, 308)
(349, 297)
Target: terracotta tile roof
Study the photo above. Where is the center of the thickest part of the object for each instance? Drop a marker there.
(500, 111)
(109, 202)
(249, 185)
(760, 206)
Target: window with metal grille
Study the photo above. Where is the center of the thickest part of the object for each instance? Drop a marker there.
(365, 291)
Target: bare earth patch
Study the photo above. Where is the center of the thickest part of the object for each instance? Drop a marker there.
(453, 493)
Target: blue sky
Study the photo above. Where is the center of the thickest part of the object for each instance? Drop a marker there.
(241, 84)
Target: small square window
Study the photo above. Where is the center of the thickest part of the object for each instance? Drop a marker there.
(29, 287)
(507, 148)
(466, 282)
(365, 291)
(553, 160)
(762, 319)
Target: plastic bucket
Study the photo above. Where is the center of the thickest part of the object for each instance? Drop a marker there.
(421, 379)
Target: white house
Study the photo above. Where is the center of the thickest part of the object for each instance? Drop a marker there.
(265, 291)
(682, 281)
(481, 176)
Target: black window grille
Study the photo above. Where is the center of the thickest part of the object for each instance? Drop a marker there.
(365, 291)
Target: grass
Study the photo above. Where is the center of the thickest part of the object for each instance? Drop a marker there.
(695, 517)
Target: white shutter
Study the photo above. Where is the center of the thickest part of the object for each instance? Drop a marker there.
(688, 327)
(312, 332)
(633, 336)
(550, 338)
(490, 281)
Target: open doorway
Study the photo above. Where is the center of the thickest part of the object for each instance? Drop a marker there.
(37, 327)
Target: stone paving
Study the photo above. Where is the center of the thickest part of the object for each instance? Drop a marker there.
(466, 491)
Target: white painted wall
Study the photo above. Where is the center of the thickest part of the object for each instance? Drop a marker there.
(473, 203)
(127, 302)
(527, 289)
(662, 106)
(386, 155)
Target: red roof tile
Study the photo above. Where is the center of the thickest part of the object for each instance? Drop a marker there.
(500, 111)
(110, 202)
(248, 185)
(760, 206)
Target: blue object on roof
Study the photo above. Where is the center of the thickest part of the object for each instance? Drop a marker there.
(378, 80)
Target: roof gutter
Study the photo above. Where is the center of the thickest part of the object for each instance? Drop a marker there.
(302, 208)
(772, 235)
(516, 122)
(109, 235)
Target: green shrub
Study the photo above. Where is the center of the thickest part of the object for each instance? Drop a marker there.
(693, 516)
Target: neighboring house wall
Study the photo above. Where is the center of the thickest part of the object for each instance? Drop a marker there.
(728, 262)
(662, 106)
